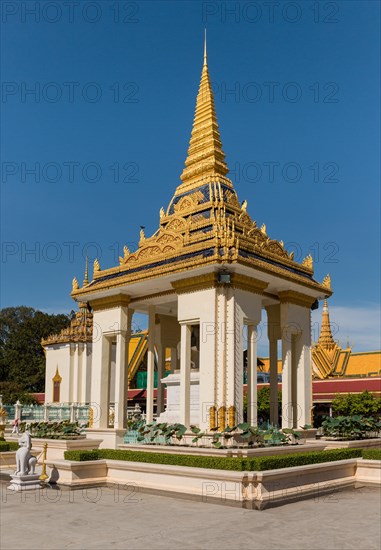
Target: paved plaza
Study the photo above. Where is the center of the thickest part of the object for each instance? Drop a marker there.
(106, 518)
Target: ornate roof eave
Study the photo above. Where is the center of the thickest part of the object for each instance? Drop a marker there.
(80, 330)
(262, 265)
(204, 224)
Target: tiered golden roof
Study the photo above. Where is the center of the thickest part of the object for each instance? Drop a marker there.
(204, 223)
(326, 354)
(205, 154)
(80, 329)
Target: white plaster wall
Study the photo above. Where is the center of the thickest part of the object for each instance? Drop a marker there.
(57, 355)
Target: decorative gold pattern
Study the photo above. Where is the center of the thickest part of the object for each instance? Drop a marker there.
(205, 155)
(80, 329)
(327, 282)
(86, 278)
(231, 416)
(222, 418)
(297, 298)
(308, 262)
(97, 266)
(205, 224)
(212, 418)
(109, 302)
(57, 377)
(75, 285)
(196, 283)
(326, 340)
(326, 353)
(248, 283)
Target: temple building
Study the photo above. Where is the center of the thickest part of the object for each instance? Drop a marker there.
(203, 278)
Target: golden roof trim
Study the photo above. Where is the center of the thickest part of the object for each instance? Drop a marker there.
(110, 302)
(192, 284)
(249, 284)
(296, 298)
(80, 329)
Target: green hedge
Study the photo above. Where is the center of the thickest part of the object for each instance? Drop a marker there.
(217, 463)
(8, 446)
(371, 454)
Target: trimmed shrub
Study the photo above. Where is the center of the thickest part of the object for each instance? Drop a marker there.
(217, 463)
(300, 459)
(8, 446)
(81, 456)
(371, 454)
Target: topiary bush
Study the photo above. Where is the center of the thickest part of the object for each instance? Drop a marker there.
(217, 463)
(8, 446)
(371, 454)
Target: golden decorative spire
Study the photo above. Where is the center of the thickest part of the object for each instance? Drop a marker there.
(75, 285)
(326, 340)
(327, 281)
(205, 155)
(97, 266)
(86, 279)
(308, 261)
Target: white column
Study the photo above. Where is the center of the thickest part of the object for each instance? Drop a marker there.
(287, 408)
(185, 365)
(74, 395)
(120, 372)
(100, 382)
(150, 363)
(173, 359)
(160, 375)
(304, 377)
(274, 413)
(84, 373)
(252, 406)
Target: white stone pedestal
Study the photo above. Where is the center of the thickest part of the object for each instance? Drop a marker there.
(25, 483)
(172, 411)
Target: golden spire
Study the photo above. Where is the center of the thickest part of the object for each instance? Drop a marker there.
(86, 279)
(205, 155)
(326, 340)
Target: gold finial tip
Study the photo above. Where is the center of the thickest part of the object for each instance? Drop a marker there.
(205, 55)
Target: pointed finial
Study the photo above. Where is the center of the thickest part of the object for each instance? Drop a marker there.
(327, 282)
(205, 56)
(97, 266)
(86, 279)
(75, 285)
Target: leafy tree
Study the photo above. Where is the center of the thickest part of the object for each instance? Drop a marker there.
(263, 403)
(22, 359)
(365, 404)
(11, 392)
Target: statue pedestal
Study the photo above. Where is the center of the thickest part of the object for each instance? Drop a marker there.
(172, 411)
(25, 483)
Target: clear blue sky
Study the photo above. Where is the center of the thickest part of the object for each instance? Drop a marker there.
(297, 98)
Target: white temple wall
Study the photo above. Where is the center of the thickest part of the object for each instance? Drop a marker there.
(57, 356)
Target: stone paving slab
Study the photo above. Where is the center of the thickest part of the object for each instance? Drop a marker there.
(114, 518)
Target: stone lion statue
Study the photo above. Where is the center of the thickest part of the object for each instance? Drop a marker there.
(25, 462)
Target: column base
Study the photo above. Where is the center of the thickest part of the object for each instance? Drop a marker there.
(111, 437)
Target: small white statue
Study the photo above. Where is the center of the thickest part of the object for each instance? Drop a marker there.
(25, 462)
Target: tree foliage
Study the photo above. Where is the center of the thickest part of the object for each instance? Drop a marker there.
(263, 403)
(22, 359)
(11, 392)
(365, 403)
